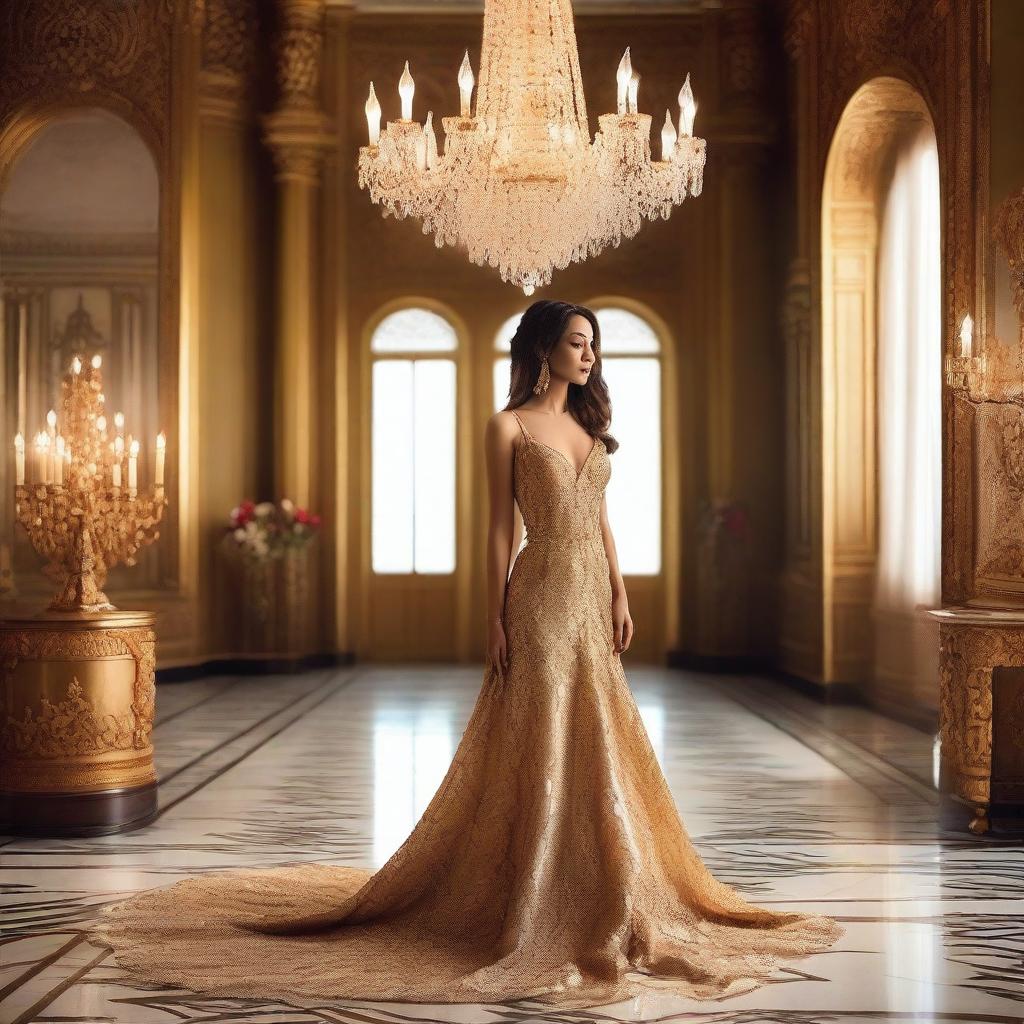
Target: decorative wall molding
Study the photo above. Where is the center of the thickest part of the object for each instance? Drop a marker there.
(58, 52)
(1008, 232)
(298, 131)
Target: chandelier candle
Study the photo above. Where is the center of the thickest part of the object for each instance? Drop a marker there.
(520, 185)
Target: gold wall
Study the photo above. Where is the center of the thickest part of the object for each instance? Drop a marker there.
(274, 266)
(943, 60)
(709, 275)
(179, 74)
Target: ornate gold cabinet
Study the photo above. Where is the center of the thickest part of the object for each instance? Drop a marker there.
(78, 693)
(981, 708)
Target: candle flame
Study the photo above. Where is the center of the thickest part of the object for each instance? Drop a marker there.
(634, 86)
(668, 138)
(625, 70)
(373, 116)
(687, 108)
(406, 88)
(967, 336)
(466, 82)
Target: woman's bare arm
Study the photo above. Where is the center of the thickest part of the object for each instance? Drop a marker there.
(621, 620)
(499, 447)
(518, 529)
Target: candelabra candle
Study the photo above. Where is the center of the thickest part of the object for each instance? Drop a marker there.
(967, 337)
(133, 467)
(71, 514)
(161, 446)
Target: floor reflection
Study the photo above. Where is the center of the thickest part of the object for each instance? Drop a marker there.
(411, 753)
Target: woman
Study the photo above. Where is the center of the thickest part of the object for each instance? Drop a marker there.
(551, 864)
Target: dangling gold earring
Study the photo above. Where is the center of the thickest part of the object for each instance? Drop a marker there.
(544, 379)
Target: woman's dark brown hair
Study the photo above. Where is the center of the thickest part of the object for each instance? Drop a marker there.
(537, 334)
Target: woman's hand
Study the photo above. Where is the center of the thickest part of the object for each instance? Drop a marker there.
(497, 648)
(622, 624)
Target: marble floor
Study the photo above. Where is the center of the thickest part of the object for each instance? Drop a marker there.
(797, 804)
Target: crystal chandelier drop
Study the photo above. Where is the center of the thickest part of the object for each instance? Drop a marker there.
(520, 184)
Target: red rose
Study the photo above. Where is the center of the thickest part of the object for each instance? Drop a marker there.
(736, 521)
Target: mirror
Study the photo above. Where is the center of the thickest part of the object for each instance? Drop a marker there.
(79, 256)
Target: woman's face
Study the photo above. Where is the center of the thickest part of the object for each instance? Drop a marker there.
(573, 355)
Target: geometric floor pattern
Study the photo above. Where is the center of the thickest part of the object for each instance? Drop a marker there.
(798, 804)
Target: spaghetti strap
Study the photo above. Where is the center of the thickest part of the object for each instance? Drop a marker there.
(522, 425)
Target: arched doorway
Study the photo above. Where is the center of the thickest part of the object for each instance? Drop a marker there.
(413, 580)
(881, 396)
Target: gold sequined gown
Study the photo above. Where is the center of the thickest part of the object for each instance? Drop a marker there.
(550, 865)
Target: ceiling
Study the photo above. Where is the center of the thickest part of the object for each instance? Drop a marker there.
(440, 6)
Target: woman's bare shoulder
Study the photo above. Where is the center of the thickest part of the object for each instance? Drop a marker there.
(502, 424)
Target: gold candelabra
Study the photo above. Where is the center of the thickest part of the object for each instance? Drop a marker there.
(965, 371)
(82, 509)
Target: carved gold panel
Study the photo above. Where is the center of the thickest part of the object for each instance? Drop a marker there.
(77, 703)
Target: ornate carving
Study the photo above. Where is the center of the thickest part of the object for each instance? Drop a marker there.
(86, 645)
(297, 130)
(74, 726)
(298, 66)
(229, 37)
(1000, 460)
(1008, 231)
(799, 25)
(744, 53)
(968, 656)
(58, 47)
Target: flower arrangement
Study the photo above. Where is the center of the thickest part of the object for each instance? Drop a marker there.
(268, 530)
(722, 518)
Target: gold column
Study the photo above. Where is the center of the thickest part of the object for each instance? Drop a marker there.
(298, 134)
(78, 693)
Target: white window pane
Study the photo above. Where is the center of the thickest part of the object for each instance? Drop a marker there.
(622, 331)
(392, 466)
(414, 330)
(434, 442)
(634, 491)
(503, 339)
(502, 382)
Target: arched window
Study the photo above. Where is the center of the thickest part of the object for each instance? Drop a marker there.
(413, 443)
(909, 568)
(631, 362)
(631, 357)
(503, 364)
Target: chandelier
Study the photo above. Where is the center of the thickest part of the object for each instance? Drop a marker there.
(520, 184)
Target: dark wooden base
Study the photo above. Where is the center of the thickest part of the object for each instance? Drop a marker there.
(77, 814)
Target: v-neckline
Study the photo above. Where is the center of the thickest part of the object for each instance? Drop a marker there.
(565, 458)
